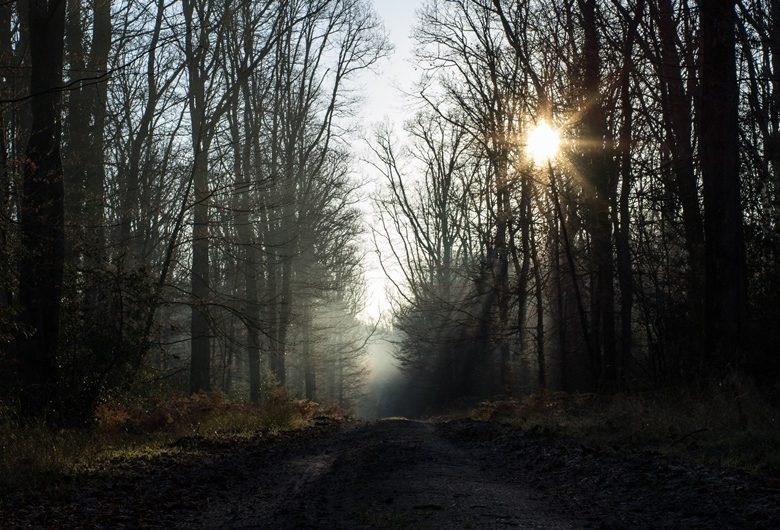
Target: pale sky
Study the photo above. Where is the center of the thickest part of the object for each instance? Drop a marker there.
(398, 72)
(384, 100)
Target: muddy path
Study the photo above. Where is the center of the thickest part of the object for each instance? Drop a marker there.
(395, 473)
(402, 474)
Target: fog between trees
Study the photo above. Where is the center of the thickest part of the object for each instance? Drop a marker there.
(180, 199)
(644, 254)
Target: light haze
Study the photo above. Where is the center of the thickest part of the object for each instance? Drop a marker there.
(386, 100)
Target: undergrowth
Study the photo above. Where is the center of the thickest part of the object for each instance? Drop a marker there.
(727, 423)
(31, 454)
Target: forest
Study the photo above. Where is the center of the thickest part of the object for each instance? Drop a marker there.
(582, 198)
(587, 198)
(181, 200)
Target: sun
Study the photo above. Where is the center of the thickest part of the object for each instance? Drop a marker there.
(543, 143)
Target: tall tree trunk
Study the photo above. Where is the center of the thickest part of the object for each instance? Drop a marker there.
(22, 113)
(42, 210)
(560, 313)
(342, 402)
(6, 142)
(76, 123)
(597, 174)
(309, 369)
(306, 277)
(285, 241)
(200, 329)
(774, 114)
(272, 291)
(620, 207)
(724, 251)
(95, 162)
(623, 236)
(678, 116)
(246, 233)
(501, 271)
(251, 264)
(541, 361)
(562, 232)
(283, 317)
(130, 210)
(522, 266)
(200, 362)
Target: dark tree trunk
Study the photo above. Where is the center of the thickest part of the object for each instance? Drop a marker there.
(200, 362)
(774, 113)
(308, 357)
(246, 236)
(200, 329)
(724, 251)
(623, 237)
(42, 211)
(283, 316)
(503, 211)
(597, 174)
(560, 314)
(131, 184)
(23, 112)
(77, 120)
(621, 207)
(677, 115)
(575, 293)
(286, 245)
(95, 167)
(541, 361)
(6, 141)
(522, 266)
(272, 295)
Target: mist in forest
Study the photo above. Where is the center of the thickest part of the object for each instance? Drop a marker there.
(384, 379)
(389, 263)
(257, 198)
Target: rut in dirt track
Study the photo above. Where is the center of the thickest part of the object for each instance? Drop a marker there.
(465, 474)
(399, 474)
(393, 473)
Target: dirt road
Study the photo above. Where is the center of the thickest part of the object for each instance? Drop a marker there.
(405, 474)
(394, 473)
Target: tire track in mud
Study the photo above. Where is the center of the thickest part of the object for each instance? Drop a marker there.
(398, 473)
(394, 473)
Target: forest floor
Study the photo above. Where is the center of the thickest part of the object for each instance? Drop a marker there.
(398, 473)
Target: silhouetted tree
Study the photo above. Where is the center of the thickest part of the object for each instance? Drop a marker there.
(42, 211)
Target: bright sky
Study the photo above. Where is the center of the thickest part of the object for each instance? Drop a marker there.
(384, 100)
(398, 72)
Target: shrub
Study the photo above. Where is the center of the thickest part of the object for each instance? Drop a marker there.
(728, 422)
(32, 452)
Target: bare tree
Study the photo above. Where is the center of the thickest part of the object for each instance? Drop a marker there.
(725, 252)
(42, 211)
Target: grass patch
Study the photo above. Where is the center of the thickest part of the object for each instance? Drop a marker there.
(148, 451)
(31, 454)
(728, 423)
